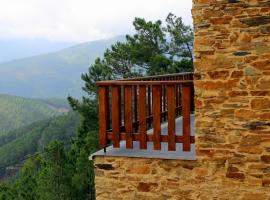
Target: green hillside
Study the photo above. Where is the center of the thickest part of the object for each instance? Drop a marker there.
(16, 112)
(54, 74)
(33, 138)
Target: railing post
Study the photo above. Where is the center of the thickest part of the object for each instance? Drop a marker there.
(135, 108)
(171, 117)
(116, 116)
(120, 107)
(103, 107)
(177, 92)
(164, 102)
(186, 93)
(128, 117)
(161, 94)
(142, 116)
(108, 107)
(156, 116)
(149, 104)
(192, 106)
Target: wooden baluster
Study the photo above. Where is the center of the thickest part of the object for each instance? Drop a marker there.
(123, 107)
(156, 117)
(115, 116)
(171, 117)
(142, 113)
(192, 106)
(186, 92)
(128, 117)
(108, 108)
(161, 94)
(165, 103)
(149, 105)
(135, 108)
(177, 98)
(103, 105)
(120, 107)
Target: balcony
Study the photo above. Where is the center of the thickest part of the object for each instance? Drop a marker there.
(147, 117)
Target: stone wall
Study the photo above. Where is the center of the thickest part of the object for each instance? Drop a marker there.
(153, 179)
(232, 85)
(232, 50)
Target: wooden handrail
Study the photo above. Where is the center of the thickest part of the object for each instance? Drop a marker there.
(128, 108)
(162, 77)
(110, 83)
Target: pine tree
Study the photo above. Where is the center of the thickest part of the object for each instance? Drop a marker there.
(53, 178)
(26, 185)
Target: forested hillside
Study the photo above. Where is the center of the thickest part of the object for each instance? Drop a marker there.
(58, 171)
(16, 112)
(33, 138)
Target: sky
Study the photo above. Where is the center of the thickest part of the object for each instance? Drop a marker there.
(82, 20)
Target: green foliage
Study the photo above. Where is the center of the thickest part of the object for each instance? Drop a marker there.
(99, 71)
(53, 177)
(7, 192)
(148, 42)
(84, 144)
(181, 38)
(119, 60)
(26, 184)
(60, 173)
(160, 64)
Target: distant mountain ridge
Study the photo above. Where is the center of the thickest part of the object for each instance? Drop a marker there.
(11, 49)
(54, 74)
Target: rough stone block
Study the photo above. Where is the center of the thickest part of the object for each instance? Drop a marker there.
(260, 104)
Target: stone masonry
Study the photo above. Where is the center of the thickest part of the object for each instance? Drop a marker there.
(232, 86)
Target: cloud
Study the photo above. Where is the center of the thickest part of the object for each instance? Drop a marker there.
(82, 20)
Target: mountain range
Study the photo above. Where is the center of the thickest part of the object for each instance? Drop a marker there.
(11, 49)
(56, 74)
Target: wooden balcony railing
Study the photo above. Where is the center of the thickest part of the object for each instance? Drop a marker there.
(129, 108)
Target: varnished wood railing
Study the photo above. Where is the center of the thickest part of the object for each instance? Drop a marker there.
(130, 107)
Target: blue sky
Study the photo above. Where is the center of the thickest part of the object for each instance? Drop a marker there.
(81, 20)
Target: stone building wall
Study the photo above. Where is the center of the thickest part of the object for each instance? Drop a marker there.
(232, 86)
